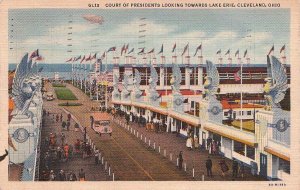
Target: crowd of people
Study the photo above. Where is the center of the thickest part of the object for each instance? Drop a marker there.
(59, 150)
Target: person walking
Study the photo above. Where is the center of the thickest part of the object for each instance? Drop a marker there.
(61, 175)
(52, 176)
(63, 125)
(66, 151)
(72, 176)
(69, 117)
(97, 157)
(62, 138)
(59, 153)
(180, 160)
(61, 117)
(223, 166)
(57, 118)
(81, 175)
(242, 169)
(235, 166)
(68, 125)
(208, 165)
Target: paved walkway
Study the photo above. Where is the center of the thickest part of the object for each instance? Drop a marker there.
(76, 162)
(128, 158)
(196, 159)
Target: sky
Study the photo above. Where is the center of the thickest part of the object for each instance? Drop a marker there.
(47, 30)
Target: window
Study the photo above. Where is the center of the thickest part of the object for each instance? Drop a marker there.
(239, 148)
(250, 152)
(192, 104)
(248, 112)
(225, 113)
(284, 165)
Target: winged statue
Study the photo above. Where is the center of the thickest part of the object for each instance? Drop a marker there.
(211, 80)
(152, 84)
(276, 83)
(115, 86)
(22, 90)
(176, 79)
(136, 82)
(125, 84)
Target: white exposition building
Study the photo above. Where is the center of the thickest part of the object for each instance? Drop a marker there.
(237, 118)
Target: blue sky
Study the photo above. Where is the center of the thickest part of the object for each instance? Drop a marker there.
(47, 29)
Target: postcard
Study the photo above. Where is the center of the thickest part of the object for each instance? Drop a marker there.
(152, 95)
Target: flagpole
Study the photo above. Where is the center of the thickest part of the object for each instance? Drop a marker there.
(81, 76)
(72, 73)
(241, 120)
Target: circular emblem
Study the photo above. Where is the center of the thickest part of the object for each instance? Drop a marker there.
(21, 135)
(282, 125)
(178, 102)
(215, 110)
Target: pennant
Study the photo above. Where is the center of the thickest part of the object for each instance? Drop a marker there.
(161, 49)
(151, 51)
(82, 59)
(34, 54)
(174, 48)
(69, 60)
(219, 51)
(94, 56)
(198, 48)
(123, 49)
(282, 48)
(131, 51)
(271, 50)
(78, 58)
(237, 75)
(142, 51)
(89, 58)
(185, 49)
(112, 49)
(102, 56)
(245, 53)
(126, 48)
(228, 52)
(237, 53)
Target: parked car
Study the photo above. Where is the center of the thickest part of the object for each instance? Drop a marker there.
(101, 123)
(49, 97)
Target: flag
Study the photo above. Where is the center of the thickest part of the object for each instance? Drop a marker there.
(131, 51)
(82, 59)
(245, 53)
(282, 49)
(161, 49)
(126, 48)
(69, 60)
(34, 54)
(40, 70)
(228, 52)
(271, 50)
(89, 58)
(102, 56)
(237, 75)
(78, 58)
(112, 49)
(94, 56)
(151, 51)
(142, 51)
(40, 58)
(237, 53)
(123, 49)
(174, 47)
(185, 49)
(219, 51)
(198, 48)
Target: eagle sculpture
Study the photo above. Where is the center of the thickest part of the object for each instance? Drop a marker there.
(175, 79)
(136, 83)
(211, 80)
(125, 84)
(153, 83)
(23, 88)
(276, 83)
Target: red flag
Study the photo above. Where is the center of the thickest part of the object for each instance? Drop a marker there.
(126, 48)
(94, 56)
(40, 58)
(89, 58)
(69, 59)
(237, 76)
(82, 59)
(34, 54)
(174, 47)
(123, 49)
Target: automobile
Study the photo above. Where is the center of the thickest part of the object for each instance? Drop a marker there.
(49, 97)
(101, 123)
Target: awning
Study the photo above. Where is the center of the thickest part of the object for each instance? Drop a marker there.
(277, 153)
